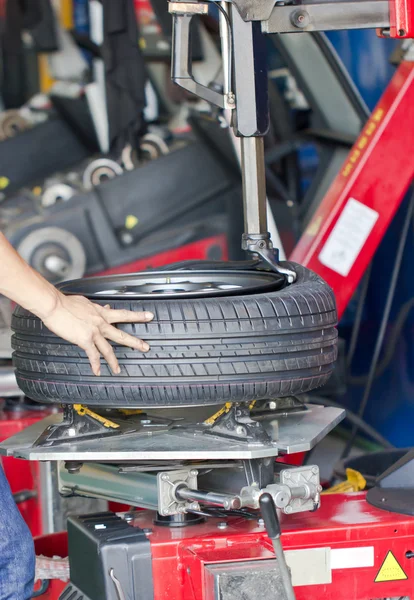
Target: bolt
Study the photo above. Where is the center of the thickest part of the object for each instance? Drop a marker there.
(147, 530)
(287, 475)
(194, 473)
(166, 512)
(272, 405)
(128, 517)
(73, 467)
(194, 506)
(315, 470)
(288, 509)
(146, 421)
(260, 522)
(222, 525)
(71, 432)
(240, 430)
(300, 19)
(165, 477)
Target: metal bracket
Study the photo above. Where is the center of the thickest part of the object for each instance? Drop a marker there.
(80, 423)
(167, 483)
(236, 423)
(261, 245)
(181, 64)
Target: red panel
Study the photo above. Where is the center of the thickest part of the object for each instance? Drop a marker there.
(377, 173)
(344, 521)
(199, 250)
(22, 474)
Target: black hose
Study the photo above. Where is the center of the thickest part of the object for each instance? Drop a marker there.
(383, 324)
(358, 317)
(391, 345)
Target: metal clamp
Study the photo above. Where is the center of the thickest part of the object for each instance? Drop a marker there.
(181, 64)
(261, 244)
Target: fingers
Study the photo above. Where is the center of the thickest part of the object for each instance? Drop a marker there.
(126, 316)
(120, 337)
(107, 352)
(94, 358)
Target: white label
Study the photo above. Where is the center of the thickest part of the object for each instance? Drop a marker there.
(348, 236)
(352, 558)
(311, 566)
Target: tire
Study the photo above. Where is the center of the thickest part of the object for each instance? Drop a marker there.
(203, 350)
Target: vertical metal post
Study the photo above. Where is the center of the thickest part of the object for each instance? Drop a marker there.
(254, 185)
(251, 120)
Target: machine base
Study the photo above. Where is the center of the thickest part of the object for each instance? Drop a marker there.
(336, 553)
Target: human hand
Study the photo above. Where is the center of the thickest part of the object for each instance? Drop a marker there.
(89, 326)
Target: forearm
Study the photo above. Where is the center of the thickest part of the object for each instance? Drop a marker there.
(23, 285)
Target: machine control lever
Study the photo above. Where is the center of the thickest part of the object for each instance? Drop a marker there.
(272, 524)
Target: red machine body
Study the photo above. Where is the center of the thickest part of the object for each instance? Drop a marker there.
(354, 215)
(359, 536)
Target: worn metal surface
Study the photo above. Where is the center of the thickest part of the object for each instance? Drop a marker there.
(247, 580)
(297, 432)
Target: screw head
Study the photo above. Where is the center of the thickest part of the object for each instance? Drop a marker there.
(300, 19)
(240, 430)
(260, 522)
(222, 525)
(315, 470)
(288, 509)
(194, 473)
(272, 405)
(165, 477)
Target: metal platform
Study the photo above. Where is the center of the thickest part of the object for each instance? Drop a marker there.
(290, 433)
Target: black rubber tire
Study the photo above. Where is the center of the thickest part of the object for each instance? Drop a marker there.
(203, 351)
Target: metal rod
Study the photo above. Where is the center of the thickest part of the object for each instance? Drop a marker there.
(226, 51)
(254, 184)
(283, 568)
(210, 498)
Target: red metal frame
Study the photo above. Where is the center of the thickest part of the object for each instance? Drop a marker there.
(200, 250)
(377, 173)
(344, 521)
(401, 19)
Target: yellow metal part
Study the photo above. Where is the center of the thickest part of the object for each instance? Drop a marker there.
(130, 411)
(84, 410)
(66, 14)
(355, 482)
(225, 409)
(252, 403)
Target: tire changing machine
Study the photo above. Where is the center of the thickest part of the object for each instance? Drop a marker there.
(203, 478)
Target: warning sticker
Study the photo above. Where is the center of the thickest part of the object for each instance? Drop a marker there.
(348, 237)
(390, 570)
